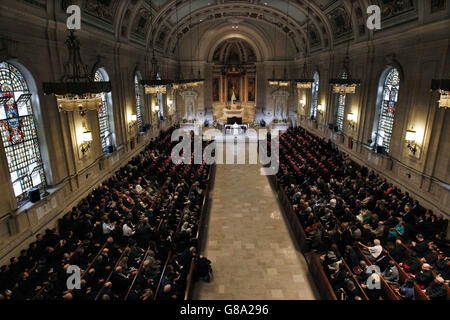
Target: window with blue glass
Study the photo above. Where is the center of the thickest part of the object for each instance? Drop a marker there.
(105, 115)
(18, 132)
(340, 105)
(391, 86)
(314, 96)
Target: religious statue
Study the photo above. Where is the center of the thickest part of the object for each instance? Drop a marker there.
(233, 99)
(190, 110)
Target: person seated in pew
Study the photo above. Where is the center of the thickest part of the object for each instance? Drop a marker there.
(351, 257)
(411, 265)
(406, 291)
(420, 246)
(437, 290)
(397, 252)
(424, 277)
(373, 252)
(372, 287)
(365, 273)
(397, 231)
(442, 266)
(391, 274)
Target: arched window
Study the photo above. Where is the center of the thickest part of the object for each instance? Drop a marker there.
(18, 131)
(390, 82)
(139, 99)
(315, 96)
(340, 105)
(105, 114)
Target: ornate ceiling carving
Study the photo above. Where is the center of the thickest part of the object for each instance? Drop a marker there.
(310, 24)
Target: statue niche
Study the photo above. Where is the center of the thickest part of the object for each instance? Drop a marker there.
(190, 98)
(280, 104)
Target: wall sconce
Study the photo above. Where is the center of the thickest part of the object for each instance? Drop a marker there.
(302, 102)
(132, 122)
(410, 139)
(351, 117)
(156, 109)
(86, 139)
(320, 108)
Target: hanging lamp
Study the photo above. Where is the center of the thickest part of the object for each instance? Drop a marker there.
(77, 90)
(346, 85)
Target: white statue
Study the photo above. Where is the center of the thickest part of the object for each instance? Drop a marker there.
(190, 109)
(233, 100)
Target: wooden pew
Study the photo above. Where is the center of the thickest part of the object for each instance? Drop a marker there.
(419, 294)
(323, 285)
(169, 256)
(111, 273)
(190, 281)
(388, 293)
(355, 280)
(408, 252)
(137, 273)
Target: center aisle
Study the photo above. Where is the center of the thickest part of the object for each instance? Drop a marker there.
(252, 252)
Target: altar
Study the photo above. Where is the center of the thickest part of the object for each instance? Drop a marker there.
(235, 129)
(230, 112)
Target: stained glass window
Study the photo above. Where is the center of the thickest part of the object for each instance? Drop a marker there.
(388, 106)
(18, 131)
(160, 98)
(139, 100)
(105, 115)
(340, 105)
(315, 96)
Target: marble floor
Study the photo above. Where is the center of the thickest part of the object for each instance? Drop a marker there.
(252, 251)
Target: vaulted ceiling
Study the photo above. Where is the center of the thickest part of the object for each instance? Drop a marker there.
(310, 24)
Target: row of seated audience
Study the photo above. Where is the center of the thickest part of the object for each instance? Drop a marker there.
(366, 228)
(120, 236)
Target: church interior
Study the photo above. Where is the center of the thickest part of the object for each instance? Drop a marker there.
(352, 97)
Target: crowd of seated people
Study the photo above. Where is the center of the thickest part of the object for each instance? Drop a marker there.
(119, 236)
(364, 225)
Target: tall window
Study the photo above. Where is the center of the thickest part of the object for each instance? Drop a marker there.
(340, 105)
(18, 131)
(386, 109)
(105, 114)
(160, 99)
(315, 96)
(139, 100)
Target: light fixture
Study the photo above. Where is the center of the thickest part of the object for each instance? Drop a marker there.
(345, 85)
(155, 84)
(351, 117)
(302, 102)
(77, 90)
(320, 108)
(132, 122)
(410, 139)
(156, 108)
(305, 82)
(193, 82)
(86, 141)
(283, 81)
(443, 87)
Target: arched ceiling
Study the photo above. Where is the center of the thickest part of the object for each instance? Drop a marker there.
(310, 24)
(234, 51)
